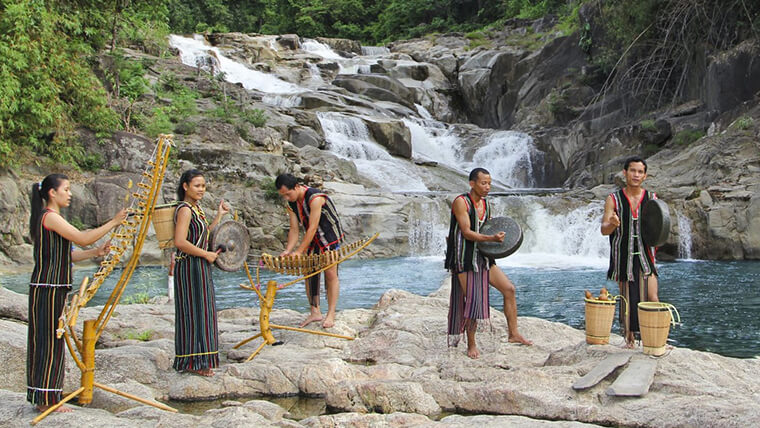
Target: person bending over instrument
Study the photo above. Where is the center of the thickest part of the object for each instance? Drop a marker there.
(313, 209)
(52, 236)
(471, 271)
(632, 264)
(196, 336)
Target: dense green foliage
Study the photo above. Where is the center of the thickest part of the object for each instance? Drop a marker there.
(47, 83)
(371, 21)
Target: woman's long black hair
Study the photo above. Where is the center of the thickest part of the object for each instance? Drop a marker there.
(40, 192)
(186, 177)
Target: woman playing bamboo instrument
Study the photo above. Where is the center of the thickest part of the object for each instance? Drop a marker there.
(196, 343)
(51, 281)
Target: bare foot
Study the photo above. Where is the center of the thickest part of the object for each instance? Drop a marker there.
(518, 338)
(329, 321)
(207, 372)
(62, 409)
(473, 352)
(310, 319)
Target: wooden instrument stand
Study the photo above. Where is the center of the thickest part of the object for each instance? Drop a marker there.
(266, 301)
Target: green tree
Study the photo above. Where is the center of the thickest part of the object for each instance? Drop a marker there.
(47, 88)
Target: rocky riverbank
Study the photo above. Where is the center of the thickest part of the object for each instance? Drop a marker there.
(397, 372)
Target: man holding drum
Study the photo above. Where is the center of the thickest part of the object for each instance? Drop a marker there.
(632, 263)
(471, 270)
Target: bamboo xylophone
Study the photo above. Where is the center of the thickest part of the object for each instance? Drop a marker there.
(305, 264)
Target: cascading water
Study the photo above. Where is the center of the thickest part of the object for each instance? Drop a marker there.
(560, 240)
(550, 240)
(349, 138)
(355, 65)
(435, 143)
(428, 230)
(375, 50)
(320, 49)
(684, 236)
(287, 101)
(509, 156)
(193, 50)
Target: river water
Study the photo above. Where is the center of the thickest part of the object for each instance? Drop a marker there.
(717, 300)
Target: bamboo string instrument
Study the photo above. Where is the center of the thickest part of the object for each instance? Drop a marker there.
(130, 233)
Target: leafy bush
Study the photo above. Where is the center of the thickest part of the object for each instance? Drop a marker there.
(648, 125)
(743, 123)
(255, 117)
(91, 162)
(688, 136)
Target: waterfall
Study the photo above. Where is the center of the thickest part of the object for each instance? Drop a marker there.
(561, 240)
(195, 51)
(437, 144)
(316, 77)
(349, 138)
(423, 112)
(568, 240)
(509, 156)
(684, 236)
(287, 101)
(375, 50)
(319, 49)
(428, 225)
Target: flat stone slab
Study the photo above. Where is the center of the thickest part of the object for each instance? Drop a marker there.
(602, 370)
(635, 379)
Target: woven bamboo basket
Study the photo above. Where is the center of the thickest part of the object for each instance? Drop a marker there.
(655, 319)
(163, 223)
(599, 316)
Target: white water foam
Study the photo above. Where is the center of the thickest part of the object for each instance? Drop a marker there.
(195, 49)
(437, 144)
(375, 50)
(569, 240)
(320, 49)
(287, 101)
(349, 138)
(509, 156)
(684, 236)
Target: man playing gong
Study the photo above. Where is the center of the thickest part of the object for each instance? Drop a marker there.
(631, 261)
(313, 209)
(472, 272)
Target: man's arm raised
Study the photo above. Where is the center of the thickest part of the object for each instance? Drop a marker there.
(610, 220)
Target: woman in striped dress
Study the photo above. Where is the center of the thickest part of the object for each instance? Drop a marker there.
(196, 338)
(51, 281)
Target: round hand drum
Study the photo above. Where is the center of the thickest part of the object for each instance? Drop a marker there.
(512, 239)
(655, 223)
(233, 238)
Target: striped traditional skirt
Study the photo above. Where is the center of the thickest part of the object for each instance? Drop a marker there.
(45, 352)
(196, 336)
(469, 308)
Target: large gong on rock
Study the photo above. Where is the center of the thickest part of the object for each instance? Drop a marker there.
(232, 239)
(655, 223)
(513, 237)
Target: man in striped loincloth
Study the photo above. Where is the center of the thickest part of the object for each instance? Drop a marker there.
(632, 263)
(313, 209)
(471, 271)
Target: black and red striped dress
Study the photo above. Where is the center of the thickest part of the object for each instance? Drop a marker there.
(329, 233)
(196, 336)
(50, 282)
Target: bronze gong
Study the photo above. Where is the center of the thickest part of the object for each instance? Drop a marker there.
(232, 239)
(655, 223)
(512, 239)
